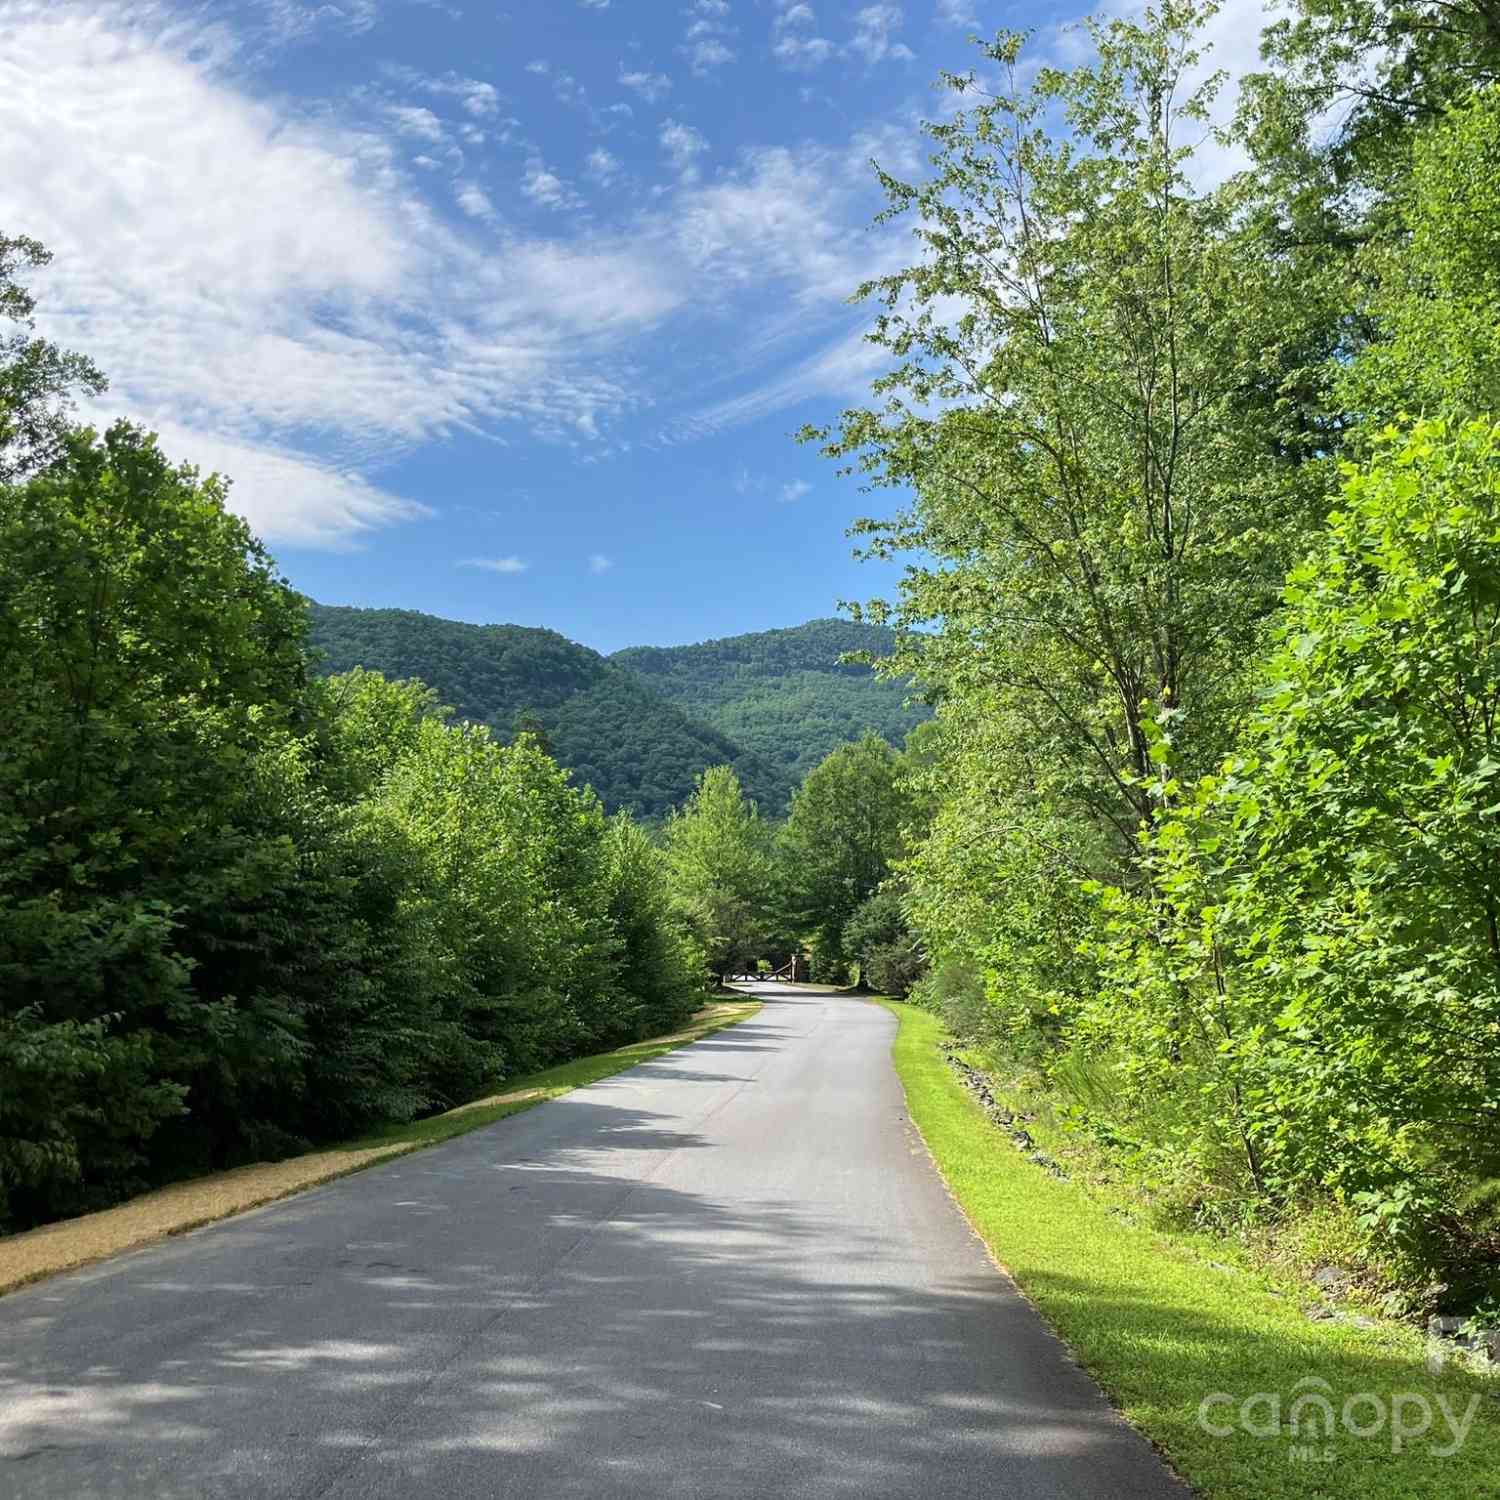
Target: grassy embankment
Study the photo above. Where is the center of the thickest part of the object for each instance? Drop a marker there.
(188, 1205)
(1162, 1327)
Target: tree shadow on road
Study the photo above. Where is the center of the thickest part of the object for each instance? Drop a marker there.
(611, 1337)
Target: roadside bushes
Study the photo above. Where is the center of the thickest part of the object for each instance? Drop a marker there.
(1214, 872)
(241, 911)
(659, 964)
(1331, 897)
(879, 939)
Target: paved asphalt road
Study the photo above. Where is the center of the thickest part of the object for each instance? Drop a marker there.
(728, 1272)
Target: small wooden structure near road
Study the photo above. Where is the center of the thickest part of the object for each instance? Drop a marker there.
(795, 969)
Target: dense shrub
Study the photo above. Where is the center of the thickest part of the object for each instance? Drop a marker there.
(879, 939)
(1331, 970)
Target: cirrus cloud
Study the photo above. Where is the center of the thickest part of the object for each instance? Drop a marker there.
(309, 315)
(358, 286)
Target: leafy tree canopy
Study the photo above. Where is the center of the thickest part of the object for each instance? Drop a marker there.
(37, 379)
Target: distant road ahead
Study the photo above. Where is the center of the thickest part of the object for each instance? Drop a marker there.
(728, 1272)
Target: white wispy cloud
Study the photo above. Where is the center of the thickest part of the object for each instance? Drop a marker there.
(603, 166)
(841, 370)
(292, 20)
(474, 95)
(650, 86)
(706, 41)
(599, 563)
(479, 99)
(545, 187)
(708, 53)
(683, 145)
(495, 564)
(336, 300)
(474, 201)
(298, 499)
(415, 120)
(957, 13)
(795, 490)
(565, 86)
(874, 27)
(308, 312)
(798, 216)
(794, 38)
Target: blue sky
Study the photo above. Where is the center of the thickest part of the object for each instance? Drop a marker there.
(502, 312)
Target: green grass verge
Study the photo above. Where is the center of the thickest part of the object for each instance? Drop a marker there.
(536, 1088)
(1162, 1329)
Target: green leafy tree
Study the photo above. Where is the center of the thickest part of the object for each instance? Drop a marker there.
(1435, 288)
(37, 379)
(1334, 963)
(994, 885)
(1313, 973)
(879, 938)
(149, 651)
(847, 827)
(1095, 400)
(529, 724)
(660, 966)
(513, 887)
(719, 850)
(363, 723)
(1349, 84)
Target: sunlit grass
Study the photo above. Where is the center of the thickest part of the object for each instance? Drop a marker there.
(534, 1088)
(1161, 1328)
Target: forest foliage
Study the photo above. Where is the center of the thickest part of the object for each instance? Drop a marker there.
(1201, 517)
(640, 752)
(789, 697)
(640, 727)
(245, 908)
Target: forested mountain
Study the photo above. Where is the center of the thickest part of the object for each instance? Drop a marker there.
(637, 749)
(641, 725)
(783, 694)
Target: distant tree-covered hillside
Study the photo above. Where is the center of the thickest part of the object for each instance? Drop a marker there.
(638, 750)
(783, 695)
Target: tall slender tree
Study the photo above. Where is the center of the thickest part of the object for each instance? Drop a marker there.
(719, 852)
(1097, 400)
(847, 827)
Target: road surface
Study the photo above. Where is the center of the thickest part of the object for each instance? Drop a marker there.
(731, 1271)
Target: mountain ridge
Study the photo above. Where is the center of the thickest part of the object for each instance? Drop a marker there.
(784, 694)
(639, 725)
